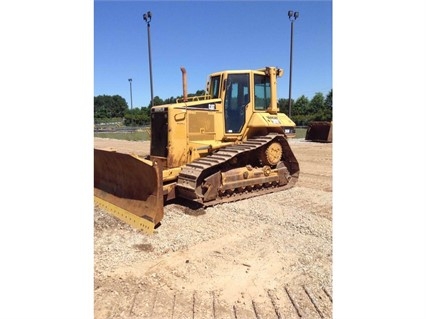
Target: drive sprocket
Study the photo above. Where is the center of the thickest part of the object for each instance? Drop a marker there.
(272, 154)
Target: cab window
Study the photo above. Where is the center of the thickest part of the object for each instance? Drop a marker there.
(262, 92)
(214, 86)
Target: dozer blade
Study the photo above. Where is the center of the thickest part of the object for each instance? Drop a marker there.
(130, 188)
(320, 131)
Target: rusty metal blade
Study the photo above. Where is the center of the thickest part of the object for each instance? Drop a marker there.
(320, 131)
(129, 182)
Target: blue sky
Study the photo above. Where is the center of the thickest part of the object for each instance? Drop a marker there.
(205, 37)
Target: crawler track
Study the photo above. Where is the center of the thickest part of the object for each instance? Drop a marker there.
(193, 175)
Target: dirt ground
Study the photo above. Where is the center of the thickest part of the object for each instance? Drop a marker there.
(264, 257)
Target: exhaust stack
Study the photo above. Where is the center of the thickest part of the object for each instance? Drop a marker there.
(185, 93)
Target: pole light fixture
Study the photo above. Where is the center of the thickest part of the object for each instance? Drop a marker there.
(147, 17)
(292, 16)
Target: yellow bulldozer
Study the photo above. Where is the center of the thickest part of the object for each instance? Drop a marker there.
(227, 145)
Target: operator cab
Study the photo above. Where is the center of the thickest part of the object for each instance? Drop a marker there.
(249, 101)
(238, 95)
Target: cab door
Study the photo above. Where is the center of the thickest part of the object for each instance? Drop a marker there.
(236, 99)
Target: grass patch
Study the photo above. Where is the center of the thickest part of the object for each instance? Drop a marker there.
(300, 132)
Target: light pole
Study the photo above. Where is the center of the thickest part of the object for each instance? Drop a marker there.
(292, 16)
(147, 17)
(131, 98)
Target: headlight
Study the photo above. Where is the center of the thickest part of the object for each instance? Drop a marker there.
(289, 130)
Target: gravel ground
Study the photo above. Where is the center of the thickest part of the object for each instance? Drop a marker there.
(241, 259)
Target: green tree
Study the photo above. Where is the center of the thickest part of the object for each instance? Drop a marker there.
(200, 92)
(301, 106)
(169, 100)
(316, 104)
(145, 116)
(283, 105)
(300, 111)
(328, 103)
(107, 106)
(157, 101)
(327, 114)
(100, 109)
(137, 116)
